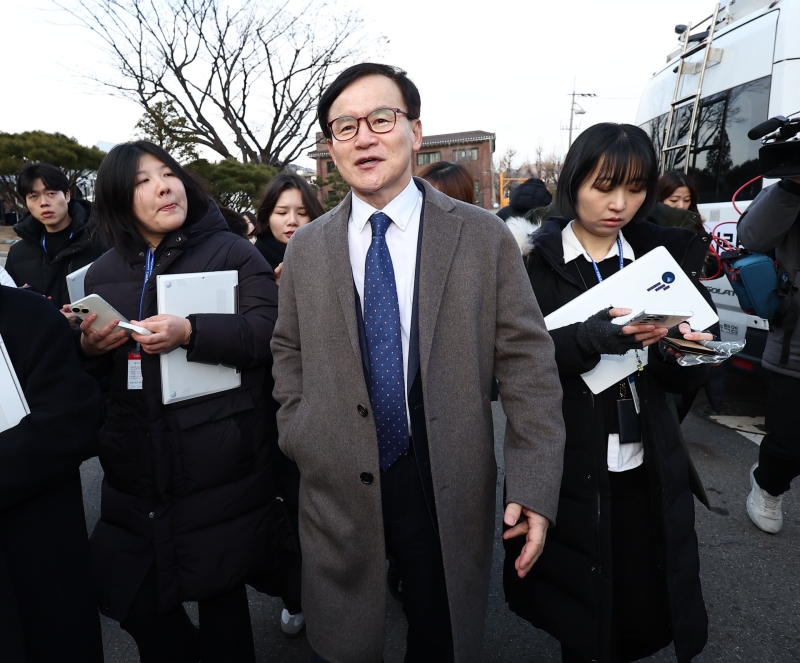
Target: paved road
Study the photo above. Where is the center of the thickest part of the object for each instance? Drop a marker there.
(751, 580)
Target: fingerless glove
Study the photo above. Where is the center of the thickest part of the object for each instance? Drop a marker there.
(598, 335)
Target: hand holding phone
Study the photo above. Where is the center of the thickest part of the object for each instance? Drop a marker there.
(106, 313)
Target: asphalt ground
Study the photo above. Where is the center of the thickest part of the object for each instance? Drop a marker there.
(751, 580)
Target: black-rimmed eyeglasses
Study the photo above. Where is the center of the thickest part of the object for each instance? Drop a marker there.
(379, 121)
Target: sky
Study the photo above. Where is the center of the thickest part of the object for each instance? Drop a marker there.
(507, 68)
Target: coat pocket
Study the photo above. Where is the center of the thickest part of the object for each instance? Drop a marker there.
(287, 441)
(220, 452)
(126, 455)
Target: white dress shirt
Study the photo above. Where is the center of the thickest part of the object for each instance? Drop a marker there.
(402, 238)
(621, 457)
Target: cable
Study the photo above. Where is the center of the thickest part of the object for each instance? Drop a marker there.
(739, 190)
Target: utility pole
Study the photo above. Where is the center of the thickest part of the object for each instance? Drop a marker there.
(575, 109)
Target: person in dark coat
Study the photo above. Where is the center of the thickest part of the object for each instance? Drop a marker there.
(531, 194)
(619, 576)
(287, 204)
(56, 236)
(47, 610)
(188, 507)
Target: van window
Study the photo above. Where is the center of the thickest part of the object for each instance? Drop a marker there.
(722, 157)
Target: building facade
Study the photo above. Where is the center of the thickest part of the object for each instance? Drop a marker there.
(471, 149)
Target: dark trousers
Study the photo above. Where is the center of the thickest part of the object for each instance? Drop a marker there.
(413, 545)
(225, 634)
(48, 611)
(640, 608)
(779, 455)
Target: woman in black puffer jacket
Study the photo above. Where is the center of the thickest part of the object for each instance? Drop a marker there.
(618, 578)
(188, 502)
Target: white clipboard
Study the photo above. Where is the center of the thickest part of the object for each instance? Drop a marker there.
(75, 283)
(654, 281)
(13, 405)
(187, 294)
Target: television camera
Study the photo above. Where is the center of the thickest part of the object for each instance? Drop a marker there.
(779, 155)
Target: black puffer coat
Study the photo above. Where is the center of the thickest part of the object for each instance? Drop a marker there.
(28, 262)
(568, 591)
(47, 611)
(186, 485)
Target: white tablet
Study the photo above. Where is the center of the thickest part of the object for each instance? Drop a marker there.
(184, 295)
(13, 405)
(75, 283)
(654, 281)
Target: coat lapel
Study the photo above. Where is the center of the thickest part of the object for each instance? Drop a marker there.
(440, 235)
(341, 270)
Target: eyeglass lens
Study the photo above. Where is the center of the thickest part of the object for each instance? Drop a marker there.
(381, 121)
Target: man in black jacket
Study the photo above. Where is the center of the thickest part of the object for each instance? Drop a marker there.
(55, 235)
(772, 223)
(47, 608)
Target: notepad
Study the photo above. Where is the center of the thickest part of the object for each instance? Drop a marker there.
(184, 295)
(13, 406)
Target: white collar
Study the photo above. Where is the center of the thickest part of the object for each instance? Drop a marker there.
(399, 210)
(573, 248)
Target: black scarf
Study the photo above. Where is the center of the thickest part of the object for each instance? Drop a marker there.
(271, 249)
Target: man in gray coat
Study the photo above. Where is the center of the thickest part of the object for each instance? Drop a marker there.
(396, 310)
(772, 223)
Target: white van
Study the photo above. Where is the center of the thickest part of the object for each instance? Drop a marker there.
(752, 73)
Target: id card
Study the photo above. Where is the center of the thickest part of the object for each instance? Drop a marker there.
(135, 370)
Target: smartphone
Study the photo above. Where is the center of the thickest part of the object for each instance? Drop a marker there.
(660, 318)
(127, 326)
(688, 347)
(106, 313)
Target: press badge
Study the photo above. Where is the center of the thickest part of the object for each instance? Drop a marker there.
(134, 370)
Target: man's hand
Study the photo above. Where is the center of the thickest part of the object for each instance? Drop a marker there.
(278, 271)
(169, 331)
(534, 526)
(95, 343)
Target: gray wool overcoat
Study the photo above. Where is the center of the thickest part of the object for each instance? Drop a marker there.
(478, 318)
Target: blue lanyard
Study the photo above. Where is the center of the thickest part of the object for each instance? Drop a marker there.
(621, 264)
(148, 269)
(44, 244)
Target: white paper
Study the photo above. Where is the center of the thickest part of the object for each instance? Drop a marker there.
(13, 405)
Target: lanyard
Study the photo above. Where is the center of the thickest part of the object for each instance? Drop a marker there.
(44, 244)
(148, 269)
(621, 264)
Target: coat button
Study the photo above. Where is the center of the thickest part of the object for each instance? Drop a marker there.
(363, 412)
(367, 478)
(151, 514)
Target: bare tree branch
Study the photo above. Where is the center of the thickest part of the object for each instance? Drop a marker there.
(246, 77)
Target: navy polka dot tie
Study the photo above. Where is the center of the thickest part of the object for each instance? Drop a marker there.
(385, 346)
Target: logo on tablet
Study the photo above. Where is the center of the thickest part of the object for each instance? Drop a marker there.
(666, 277)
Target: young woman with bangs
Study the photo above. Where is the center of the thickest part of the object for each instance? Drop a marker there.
(619, 576)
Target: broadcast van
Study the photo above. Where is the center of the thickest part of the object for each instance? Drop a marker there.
(728, 73)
